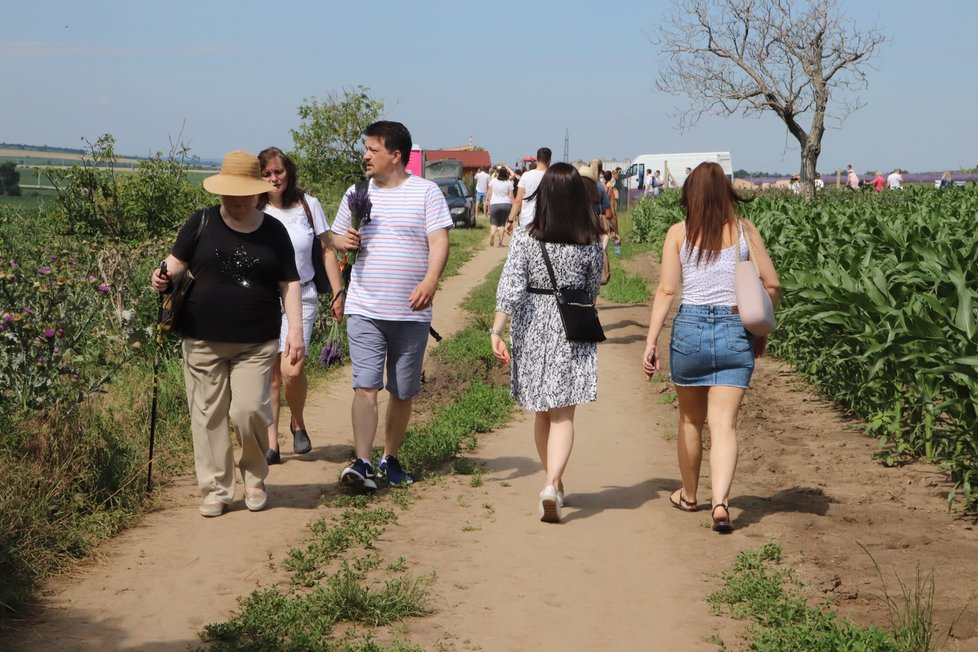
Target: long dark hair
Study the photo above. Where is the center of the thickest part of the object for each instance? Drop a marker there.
(292, 194)
(711, 204)
(563, 210)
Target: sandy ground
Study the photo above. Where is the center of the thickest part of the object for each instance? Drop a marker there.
(623, 568)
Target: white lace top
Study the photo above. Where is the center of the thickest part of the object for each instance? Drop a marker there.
(711, 283)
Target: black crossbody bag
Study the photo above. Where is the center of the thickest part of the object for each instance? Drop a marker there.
(576, 308)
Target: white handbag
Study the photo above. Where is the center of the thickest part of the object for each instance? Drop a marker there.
(753, 302)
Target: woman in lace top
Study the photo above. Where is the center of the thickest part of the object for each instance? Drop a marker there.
(711, 354)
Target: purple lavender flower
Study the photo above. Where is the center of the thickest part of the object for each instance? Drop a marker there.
(359, 204)
(331, 354)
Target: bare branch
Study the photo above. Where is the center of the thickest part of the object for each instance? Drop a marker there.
(751, 56)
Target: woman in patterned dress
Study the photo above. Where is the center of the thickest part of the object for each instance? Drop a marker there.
(550, 376)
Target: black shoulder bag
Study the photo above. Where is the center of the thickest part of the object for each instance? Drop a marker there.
(319, 277)
(173, 300)
(576, 308)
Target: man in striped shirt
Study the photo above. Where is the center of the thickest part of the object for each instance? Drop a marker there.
(402, 252)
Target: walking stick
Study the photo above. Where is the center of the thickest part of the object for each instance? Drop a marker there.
(156, 384)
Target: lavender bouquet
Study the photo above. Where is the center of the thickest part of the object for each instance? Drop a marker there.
(358, 202)
(332, 351)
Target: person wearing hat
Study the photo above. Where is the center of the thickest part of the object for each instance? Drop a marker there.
(243, 265)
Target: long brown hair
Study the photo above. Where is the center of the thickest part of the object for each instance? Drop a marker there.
(563, 211)
(711, 204)
(292, 194)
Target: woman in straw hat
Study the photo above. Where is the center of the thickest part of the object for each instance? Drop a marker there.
(303, 217)
(243, 264)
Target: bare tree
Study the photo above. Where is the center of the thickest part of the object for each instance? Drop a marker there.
(750, 56)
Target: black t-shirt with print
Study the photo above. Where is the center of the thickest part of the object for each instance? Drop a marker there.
(235, 294)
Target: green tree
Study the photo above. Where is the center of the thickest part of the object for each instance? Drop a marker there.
(329, 141)
(94, 199)
(9, 179)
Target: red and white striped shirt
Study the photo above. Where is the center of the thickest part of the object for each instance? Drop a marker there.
(393, 255)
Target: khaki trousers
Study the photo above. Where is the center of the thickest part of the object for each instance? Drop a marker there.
(228, 380)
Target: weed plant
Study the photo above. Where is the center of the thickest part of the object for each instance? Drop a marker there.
(761, 589)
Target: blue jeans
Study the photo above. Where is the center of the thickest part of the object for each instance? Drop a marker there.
(710, 346)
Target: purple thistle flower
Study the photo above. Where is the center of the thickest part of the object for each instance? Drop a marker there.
(44, 271)
(359, 204)
(29, 311)
(103, 288)
(8, 318)
(49, 333)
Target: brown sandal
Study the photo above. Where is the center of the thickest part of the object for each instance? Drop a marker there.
(682, 504)
(722, 525)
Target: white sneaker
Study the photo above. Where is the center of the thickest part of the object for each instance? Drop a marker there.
(256, 498)
(212, 506)
(549, 505)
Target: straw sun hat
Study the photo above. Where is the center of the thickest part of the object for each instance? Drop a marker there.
(240, 176)
(588, 172)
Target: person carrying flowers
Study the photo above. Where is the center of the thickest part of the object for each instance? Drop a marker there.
(397, 252)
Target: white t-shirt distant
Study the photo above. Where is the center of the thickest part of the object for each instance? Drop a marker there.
(297, 224)
(529, 182)
(894, 181)
(500, 191)
(481, 181)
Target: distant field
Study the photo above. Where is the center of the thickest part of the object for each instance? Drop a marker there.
(33, 158)
(31, 198)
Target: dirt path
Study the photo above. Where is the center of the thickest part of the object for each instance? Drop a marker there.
(623, 567)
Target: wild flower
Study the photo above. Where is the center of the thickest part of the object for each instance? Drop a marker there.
(102, 288)
(358, 201)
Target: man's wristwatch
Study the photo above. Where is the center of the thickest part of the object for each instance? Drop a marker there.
(496, 331)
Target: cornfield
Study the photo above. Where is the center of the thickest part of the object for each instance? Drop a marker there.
(879, 311)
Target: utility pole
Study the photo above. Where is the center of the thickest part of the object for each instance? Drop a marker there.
(566, 145)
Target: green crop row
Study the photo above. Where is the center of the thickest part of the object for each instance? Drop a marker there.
(879, 311)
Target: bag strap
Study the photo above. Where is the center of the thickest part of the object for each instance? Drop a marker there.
(751, 256)
(200, 229)
(550, 268)
(305, 207)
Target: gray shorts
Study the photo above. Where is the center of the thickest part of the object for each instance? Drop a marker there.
(397, 345)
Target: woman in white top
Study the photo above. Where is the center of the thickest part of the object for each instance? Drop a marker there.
(304, 219)
(500, 201)
(711, 354)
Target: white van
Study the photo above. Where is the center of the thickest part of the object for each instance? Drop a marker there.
(644, 165)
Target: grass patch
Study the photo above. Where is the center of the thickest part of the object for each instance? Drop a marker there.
(761, 588)
(625, 288)
(454, 427)
(463, 244)
(320, 595)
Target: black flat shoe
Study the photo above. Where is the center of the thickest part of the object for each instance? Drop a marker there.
(301, 443)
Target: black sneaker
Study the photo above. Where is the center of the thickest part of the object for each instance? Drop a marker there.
(390, 467)
(359, 475)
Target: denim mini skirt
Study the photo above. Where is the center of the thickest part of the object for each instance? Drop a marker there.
(710, 346)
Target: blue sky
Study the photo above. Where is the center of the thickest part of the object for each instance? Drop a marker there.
(510, 75)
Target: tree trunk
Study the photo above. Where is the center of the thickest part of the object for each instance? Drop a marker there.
(809, 159)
